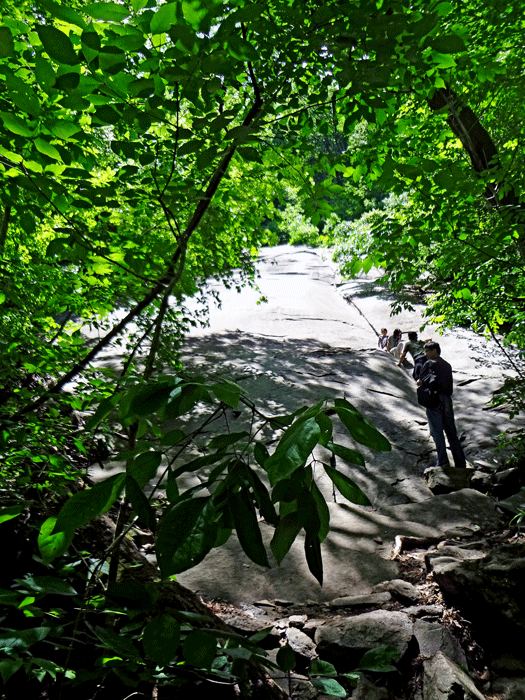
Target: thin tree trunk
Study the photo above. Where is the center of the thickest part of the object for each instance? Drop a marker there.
(484, 157)
(4, 225)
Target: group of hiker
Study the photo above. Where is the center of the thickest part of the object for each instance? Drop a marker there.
(433, 376)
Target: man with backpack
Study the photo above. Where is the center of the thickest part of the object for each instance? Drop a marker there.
(434, 392)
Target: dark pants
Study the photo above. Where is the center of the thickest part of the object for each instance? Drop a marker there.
(441, 420)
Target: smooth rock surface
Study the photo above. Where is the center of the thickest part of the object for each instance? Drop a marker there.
(444, 680)
(361, 601)
(301, 643)
(403, 591)
(493, 583)
(345, 641)
(433, 637)
(317, 337)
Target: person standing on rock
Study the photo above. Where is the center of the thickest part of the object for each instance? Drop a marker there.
(441, 417)
(382, 340)
(417, 349)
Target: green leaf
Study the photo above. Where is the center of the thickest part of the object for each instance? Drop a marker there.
(9, 597)
(284, 535)
(15, 124)
(264, 502)
(448, 43)
(183, 401)
(161, 639)
(46, 585)
(350, 456)
(172, 489)
(52, 544)
(260, 453)
(85, 505)
(172, 438)
(7, 46)
(326, 426)
(10, 512)
(329, 686)
(443, 60)
(67, 81)
(194, 12)
(247, 527)
(140, 503)
(105, 407)
(379, 660)
(47, 149)
(322, 510)
(199, 462)
(322, 668)
(44, 73)
(164, 17)
(242, 50)
(150, 399)
(20, 640)
(200, 649)
(294, 448)
(445, 180)
(63, 129)
(116, 643)
(347, 487)
(22, 95)
(132, 594)
(9, 667)
(57, 45)
(107, 115)
(307, 512)
(186, 533)
(250, 154)
(144, 467)
(312, 550)
(359, 428)
(63, 12)
(107, 11)
(221, 441)
(227, 392)
(285, 658)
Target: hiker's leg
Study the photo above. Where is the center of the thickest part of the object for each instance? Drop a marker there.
(435, 424)
(451, 433)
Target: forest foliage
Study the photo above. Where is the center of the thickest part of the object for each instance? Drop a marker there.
(148, 147)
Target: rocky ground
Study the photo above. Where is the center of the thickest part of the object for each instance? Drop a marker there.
(430, 569)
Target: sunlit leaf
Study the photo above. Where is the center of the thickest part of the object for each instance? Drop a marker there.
(107, 11)
(85, 505)
(293, 449)
(359, 427)
(329, 686)
(347, 487)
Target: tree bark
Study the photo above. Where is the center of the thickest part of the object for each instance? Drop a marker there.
(4, 224)
(484, 157)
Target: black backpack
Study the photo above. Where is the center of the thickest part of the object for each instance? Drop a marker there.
(427, 392)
